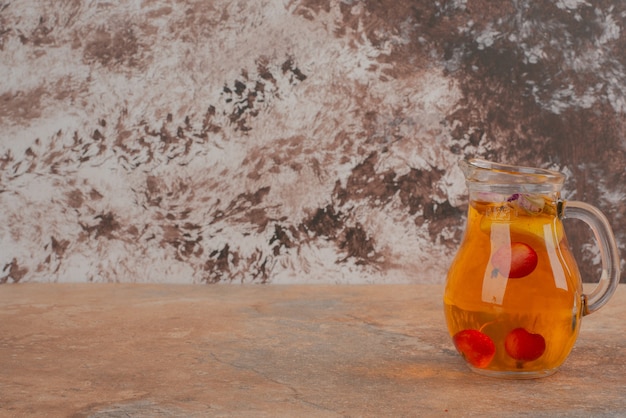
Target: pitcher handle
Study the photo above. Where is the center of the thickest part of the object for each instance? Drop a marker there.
(609, 253)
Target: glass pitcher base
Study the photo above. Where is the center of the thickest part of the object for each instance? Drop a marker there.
(514, 374)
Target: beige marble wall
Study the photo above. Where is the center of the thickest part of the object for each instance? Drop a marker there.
(290, 141)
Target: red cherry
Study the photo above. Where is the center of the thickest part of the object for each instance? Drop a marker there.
(515, 261)
(477, 348)
(523, 345)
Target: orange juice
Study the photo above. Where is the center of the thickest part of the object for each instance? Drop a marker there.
(513, 297)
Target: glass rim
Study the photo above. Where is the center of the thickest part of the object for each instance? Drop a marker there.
(487, 174)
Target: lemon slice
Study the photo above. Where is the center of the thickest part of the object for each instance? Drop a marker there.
(529, 227)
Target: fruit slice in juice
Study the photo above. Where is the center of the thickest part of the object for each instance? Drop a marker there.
(514, 261)
(521, 221)
(523, 345)
(477, 348)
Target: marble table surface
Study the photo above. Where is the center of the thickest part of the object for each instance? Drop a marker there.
(110, 350)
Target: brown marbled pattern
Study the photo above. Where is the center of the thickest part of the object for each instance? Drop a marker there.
(291, 141)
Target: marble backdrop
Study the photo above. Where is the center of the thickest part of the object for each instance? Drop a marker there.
(288, 141)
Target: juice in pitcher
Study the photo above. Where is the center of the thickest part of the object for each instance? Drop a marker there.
(513, 298)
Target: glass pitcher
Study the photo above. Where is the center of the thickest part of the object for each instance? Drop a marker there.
(514, 298)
